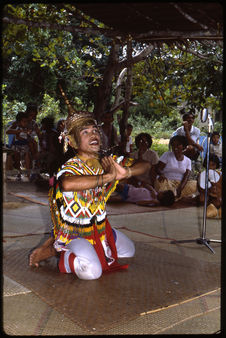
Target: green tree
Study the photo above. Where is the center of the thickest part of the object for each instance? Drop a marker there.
(170, 78)
(45, 45)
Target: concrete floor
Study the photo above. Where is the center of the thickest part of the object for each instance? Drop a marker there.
(24, 313)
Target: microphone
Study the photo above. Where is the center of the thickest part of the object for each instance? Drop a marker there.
(204, 115)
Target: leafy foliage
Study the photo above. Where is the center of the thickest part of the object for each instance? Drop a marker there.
(44, 57)
(47, 47)
(171, 79)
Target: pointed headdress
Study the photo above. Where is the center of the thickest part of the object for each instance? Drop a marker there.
(74, 123)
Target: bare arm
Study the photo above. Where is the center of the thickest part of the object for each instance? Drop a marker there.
(13, 131)
(183, 182)
(78, 183)
(158, 171)
(188, 136)
(139, 168)
(112, 171)
(187, 133)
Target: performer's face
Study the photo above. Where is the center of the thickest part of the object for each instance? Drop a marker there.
(89, 140)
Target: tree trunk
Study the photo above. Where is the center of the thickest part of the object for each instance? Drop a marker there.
(103, 93)
(104, 90)
(117, 104)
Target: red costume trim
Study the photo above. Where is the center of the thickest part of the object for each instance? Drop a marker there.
(71, 262)
(100, 251)
(61, 265)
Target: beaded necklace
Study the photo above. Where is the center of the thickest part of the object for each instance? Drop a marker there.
(95, 194)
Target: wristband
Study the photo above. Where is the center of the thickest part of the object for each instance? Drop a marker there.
(97, 180)
(129, 174)
(102, 180)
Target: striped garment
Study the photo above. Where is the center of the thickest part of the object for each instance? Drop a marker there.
(75, 214)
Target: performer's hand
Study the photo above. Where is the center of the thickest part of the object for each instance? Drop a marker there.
(121, 172)
(109, 168)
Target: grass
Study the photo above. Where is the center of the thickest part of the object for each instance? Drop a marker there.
(160, 146)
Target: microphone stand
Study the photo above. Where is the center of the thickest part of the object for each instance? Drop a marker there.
(203, 239)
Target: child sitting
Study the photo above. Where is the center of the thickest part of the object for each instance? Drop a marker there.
(214, 193)
(216, 145)
(143, 195)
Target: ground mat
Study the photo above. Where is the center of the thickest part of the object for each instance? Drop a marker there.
(113, 208)
(120, 208)
(155, 278)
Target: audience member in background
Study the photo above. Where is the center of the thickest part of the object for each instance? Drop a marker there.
(173, 170)
(32, 112)
(129, 142)
(11, 137)
(143, 195)
(214, 192)
(49, 155)
(143, 143)
(192, 134)
(109, 137)
(216, 145)
(22, 142)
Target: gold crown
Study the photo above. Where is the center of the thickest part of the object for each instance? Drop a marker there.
(75, 119)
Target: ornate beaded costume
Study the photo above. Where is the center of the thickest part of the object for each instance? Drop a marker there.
(76, 214)
(82, 214)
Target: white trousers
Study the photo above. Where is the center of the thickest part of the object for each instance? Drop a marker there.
(86, 264)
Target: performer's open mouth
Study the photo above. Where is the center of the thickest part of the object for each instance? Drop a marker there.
(94, 142)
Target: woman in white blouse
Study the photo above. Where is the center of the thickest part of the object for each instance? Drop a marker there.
(173, 170)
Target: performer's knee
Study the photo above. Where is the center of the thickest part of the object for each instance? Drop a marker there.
(82, 260)
(125, 247)
(87, 269)
(130, 249)
(82, 267)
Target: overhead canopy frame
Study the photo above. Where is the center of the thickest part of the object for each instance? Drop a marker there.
(159, 21)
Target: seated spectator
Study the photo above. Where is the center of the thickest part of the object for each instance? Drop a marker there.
(10, 136)
(145, 195)
(109, 137)
(128, 146)
(22, 142)
(32, 112)
(214, 192)
(49, 155)
(9, 156)
(143, 143)
(216, 145)
(192, 134)
(173, 170)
